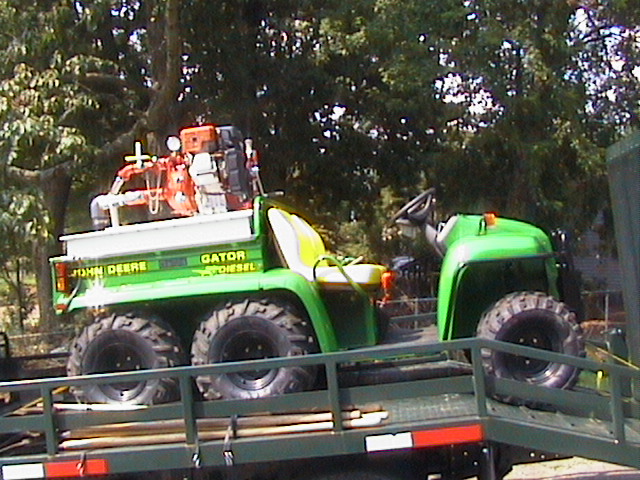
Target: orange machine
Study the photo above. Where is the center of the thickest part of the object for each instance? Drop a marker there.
(208, 171)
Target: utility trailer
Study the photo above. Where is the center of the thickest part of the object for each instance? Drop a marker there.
(448, 426)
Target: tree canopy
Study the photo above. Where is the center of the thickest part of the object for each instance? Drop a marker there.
(355, 106)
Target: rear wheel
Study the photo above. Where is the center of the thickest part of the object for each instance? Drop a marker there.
(532, 319)
(122, 343)
(250, 330)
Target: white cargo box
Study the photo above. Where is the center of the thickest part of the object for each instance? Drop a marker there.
(172, 234)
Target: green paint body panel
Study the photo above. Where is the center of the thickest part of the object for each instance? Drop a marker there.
(211, 273)
(483, 263)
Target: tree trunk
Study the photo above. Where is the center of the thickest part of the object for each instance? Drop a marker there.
(166, 71)
(520, 195)
(55, 185)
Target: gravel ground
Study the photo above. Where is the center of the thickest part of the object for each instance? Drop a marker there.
(572, 469)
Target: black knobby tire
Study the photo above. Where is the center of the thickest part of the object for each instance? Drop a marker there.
(537, 320)
(249, 330)
(120, 343)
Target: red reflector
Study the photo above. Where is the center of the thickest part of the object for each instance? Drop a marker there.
(388, 279)
(448, 436)
(95, 466)
(62, 277)
(61, 307)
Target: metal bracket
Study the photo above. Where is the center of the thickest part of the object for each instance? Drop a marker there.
(81, 466)
(227, 451)
(195, 458)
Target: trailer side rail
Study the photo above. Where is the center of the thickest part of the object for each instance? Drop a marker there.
(416, 413)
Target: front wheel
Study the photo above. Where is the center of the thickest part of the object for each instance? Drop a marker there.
(122, 343)
(249, 330)
(532, 319)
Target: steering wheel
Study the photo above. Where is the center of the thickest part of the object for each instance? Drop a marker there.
(418, 209)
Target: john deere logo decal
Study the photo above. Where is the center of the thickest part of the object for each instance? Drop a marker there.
(232, 261)
(114, 269)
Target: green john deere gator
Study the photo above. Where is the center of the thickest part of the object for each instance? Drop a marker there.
(234, 275)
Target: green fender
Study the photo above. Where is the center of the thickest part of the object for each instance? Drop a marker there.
(309, 295)
(479, 254)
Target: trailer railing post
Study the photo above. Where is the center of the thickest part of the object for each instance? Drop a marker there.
(333, 390)
(190, 425)
(617, 412)
(479, 381)
(51, 438)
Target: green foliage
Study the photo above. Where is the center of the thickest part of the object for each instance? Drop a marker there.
(37, 109)
(21, 224)
(355, 106)
(20, 220)
(71, 82)
(537, 157)
(345, 99)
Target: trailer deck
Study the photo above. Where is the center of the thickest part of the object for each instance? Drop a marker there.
(458, 409)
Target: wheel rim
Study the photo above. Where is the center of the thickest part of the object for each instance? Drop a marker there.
(119, 357)
(250, 345)
(536, 334)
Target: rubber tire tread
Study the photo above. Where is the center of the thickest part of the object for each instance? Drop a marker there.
(513, 309)
(293, 331)
(156, 341)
